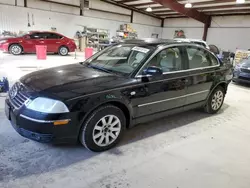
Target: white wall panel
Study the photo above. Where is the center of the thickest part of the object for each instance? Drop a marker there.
(96, 4)
(9, 2)
(231, 21)
(65, 23)
(71, 2)
(227, 32)
(229, 38)
(52, 7)
(144, 19)
(196, 33)
(20, 3)
(230, 32)
(105, 15)
(182, 22)
(145, 31)
(191, 27)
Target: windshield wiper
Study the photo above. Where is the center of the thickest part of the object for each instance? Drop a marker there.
(100, 68)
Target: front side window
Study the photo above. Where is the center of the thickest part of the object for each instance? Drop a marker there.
(36, 36)
(122, 58)
(198, 57)
(168, 60)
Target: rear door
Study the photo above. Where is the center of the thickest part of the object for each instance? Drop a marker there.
(202, 67)
(53, 41)
(165, 92)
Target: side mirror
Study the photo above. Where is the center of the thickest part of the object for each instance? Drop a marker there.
(150, 72)
(153, 71)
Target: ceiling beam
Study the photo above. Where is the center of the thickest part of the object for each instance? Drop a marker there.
(224, 7)
(194, 3)
(192, 13)
(116, 3)
(142, 4)
(126, 1)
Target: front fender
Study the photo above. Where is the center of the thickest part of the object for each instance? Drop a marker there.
(87, 104)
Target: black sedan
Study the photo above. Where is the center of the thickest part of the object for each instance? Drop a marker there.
(128, 83)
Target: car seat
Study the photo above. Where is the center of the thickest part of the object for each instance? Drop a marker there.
(168, 61)
(196, 61)
(138, 58)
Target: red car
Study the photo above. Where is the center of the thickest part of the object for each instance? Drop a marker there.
(26, 43)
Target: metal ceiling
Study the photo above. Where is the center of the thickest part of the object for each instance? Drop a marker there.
(163, 8)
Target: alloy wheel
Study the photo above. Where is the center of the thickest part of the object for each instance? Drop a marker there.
(217, 100)
(16, 50)
(106, 130)
(63, 51)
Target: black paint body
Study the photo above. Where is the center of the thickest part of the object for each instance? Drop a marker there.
(84, 89)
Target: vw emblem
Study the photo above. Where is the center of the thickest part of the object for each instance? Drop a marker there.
(13, 91)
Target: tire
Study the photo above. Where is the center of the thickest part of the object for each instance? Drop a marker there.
(215, 100)
(15, 49)
(63, 51)
(103, 129)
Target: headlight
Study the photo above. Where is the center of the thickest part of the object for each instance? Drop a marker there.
(46, 105)
(237, 67)
(3, 41)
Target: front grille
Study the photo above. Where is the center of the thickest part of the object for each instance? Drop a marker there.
(245, 70)
(18, 95)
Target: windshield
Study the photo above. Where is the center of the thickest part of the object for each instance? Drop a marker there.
(22, 34)
(122, 58)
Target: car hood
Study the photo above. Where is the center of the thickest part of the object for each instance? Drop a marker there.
(69, 81)
(7, 38)
(245, 64)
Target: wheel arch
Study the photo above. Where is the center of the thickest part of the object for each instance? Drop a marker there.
(119, 104)
(63, 46)
(16, 44)
(223, 84)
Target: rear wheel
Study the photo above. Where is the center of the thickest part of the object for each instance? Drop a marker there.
(15, 49)
(63, 51)
(215, 100)
(103, 129)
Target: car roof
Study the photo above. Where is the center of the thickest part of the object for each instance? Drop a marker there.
(44, 32)
(190, 40)
(150, 41)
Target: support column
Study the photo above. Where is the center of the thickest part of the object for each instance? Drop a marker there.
(132, 16)
(206, 26)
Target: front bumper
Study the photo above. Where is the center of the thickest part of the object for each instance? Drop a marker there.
(40, 127)
(239, 76)
(4, 47)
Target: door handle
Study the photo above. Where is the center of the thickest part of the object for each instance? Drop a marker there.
(41, 41)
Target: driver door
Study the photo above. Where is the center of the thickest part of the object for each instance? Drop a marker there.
(30, 42)
(165, 92)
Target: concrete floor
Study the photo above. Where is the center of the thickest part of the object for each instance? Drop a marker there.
(188, 150)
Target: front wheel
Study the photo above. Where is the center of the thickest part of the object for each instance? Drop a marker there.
(15, 49)
(63, 51)
(215, 100)
(103, 129)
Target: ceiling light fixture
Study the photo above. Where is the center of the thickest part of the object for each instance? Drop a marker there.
(149, 9)
(188, 5)
(240, 1)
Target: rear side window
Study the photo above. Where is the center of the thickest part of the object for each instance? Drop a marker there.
(51, 36)
(214, 60)
(198, 57)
